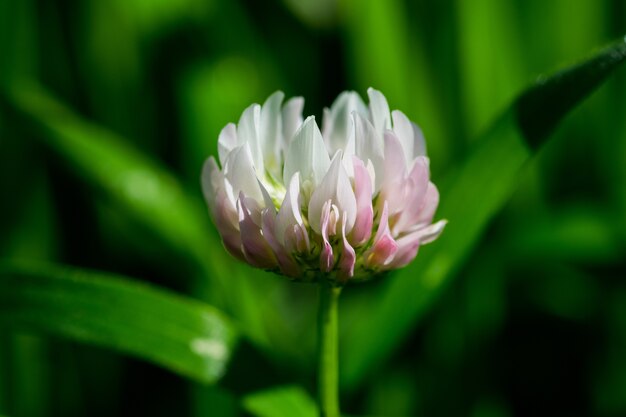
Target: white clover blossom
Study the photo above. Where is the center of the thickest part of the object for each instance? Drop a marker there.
(342, 204)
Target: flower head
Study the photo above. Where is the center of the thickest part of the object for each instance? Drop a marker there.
(343, 203)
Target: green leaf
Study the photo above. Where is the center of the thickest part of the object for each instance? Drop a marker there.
(180, 334)
(470, 198)
(139, 186)
(288, 401)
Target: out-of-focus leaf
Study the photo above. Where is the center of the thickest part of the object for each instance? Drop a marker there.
(384, 56)
(18, 34)
(491, 76)
(211, 96)
(183, 335)
(286, 401)
(470, 198)
(159, 15)
(139, 186)
(578, 234)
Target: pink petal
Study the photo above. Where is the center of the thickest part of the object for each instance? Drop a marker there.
(221, 207)
(362, 229)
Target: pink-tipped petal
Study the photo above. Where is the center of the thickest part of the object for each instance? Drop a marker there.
(254, 245)
(364, 211)
(287, 264)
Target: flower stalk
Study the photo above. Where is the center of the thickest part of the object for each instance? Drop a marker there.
(328, 371)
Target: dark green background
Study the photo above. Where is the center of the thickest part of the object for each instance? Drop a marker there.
(534, 322)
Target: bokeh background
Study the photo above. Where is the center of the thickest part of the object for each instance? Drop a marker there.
(533, 322)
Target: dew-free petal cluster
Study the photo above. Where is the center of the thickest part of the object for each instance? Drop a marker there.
(342, 203)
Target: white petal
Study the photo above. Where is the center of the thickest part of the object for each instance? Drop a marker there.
(335, 187)
(267, 199)
(209, 189)
(337, 123)
(307, 155)
(348, 255)
(379, 110)
(410, 136)
(289, 213)
(432, 232)
(292, 119)
(240, 172)
(369, 147)
(271, 133)
(326, 254)
(226, 141)
(393, 183)
(248, 132)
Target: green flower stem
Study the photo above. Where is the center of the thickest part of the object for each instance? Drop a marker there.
(328, 371)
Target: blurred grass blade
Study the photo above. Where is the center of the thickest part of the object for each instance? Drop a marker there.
(470, 198)
(139, 186)
(289, 401)
(183, 335)
(149, 195)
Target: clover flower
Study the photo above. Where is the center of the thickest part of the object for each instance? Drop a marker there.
(340, 204)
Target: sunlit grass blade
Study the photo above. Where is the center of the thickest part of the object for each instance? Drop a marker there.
(470, 198)
(286, 401)
(188, 337)
(139, 186)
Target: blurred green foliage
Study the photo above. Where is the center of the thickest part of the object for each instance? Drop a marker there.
(109, 109)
